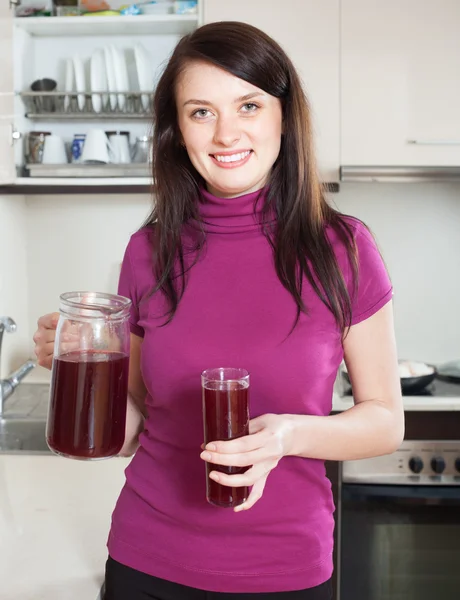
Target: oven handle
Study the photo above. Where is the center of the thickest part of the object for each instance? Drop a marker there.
(352, 491)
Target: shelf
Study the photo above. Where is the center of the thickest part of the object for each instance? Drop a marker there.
(116, 25)
(28, 186)
(87, 117)
(83, 181)
(78, 172)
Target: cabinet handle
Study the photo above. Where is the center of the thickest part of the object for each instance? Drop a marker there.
(435, 142)
(14, 135)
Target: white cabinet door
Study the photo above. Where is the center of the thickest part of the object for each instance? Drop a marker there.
(7, 166)
(400, 82)
(309, 32)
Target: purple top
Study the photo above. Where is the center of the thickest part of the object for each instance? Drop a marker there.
(234, 312)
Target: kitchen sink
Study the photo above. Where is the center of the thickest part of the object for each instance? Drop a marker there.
(23, 436)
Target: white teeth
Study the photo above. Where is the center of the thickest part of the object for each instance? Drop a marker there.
(232, 157)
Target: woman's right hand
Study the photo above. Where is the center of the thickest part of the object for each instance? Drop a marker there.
(44, 339)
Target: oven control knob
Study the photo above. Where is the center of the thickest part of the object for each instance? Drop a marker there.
(438, 464)
(416, 464)
(457, 465)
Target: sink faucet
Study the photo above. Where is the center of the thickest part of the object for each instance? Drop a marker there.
(8, 385)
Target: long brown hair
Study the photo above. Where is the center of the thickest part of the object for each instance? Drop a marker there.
(300, 245)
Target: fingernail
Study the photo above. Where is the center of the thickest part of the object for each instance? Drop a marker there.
(206, 456)
(214, 476)
(211, 447)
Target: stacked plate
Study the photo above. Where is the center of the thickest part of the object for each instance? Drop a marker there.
(114, 75)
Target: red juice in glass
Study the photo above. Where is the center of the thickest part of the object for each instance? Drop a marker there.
(225, 417)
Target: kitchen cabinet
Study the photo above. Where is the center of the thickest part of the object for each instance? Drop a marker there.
(400, 83)
(7, 167)
(41, 47)
(309, 32)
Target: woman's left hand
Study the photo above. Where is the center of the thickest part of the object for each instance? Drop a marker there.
(268, 442)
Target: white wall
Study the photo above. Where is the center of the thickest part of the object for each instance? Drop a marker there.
(417, 227)
(77, 242)
(13, 280)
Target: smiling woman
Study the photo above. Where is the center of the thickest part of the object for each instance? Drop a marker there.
(243, 263)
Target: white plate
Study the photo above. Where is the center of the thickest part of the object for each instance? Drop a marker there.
(111, 81)
(144, 74)
(98, 80)
(80, 81)
(121, 75)
(412, 368)
(69, 82)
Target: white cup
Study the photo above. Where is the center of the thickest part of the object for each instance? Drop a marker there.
(120, 150)
(54, 152)
(96, 148)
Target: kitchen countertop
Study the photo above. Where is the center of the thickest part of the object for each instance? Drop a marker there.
(54, 522)
(411, 403)
(54, 515)
(439, 396)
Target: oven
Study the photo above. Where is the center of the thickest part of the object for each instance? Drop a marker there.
(399, 534)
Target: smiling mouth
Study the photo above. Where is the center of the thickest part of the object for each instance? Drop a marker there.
(231, 159)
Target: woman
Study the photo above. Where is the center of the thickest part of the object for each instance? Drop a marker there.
(243, 263)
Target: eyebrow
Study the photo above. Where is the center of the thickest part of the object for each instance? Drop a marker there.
(240, 99)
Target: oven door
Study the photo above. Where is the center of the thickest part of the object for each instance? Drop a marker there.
(399, 542)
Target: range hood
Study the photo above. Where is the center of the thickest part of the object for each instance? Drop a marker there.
(399, 174)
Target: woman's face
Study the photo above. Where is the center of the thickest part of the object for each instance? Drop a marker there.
(231, 129)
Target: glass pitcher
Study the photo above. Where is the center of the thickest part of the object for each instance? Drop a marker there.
(89, 381)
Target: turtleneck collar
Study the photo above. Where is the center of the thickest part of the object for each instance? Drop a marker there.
(232, 215)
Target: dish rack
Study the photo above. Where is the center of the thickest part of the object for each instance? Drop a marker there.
(87, 105)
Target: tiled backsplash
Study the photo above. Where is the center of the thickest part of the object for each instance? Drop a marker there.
(58, 243)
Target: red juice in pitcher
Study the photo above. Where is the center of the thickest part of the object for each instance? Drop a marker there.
(225, 417)
(87, 412)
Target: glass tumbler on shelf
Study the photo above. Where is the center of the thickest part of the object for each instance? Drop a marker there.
(89, 381)
(225, 395)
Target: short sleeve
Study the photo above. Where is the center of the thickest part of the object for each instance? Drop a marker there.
(127, 287)
(374, 288)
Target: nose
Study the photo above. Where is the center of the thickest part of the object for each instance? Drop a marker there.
(227, 131)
